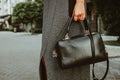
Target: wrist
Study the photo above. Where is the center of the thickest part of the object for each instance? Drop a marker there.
(79, 1)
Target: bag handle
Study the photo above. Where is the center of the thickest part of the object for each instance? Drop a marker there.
(90, 34)
(92, 47)
(93, 53)
(106, 72)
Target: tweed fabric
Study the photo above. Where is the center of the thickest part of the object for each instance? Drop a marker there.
(54, 19)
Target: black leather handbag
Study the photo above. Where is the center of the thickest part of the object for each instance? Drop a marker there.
(81, 50)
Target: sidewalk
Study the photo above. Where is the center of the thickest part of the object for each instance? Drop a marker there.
(113, 51)
(19, 57)
(114, 61)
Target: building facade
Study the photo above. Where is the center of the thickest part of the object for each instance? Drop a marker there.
(6, 6)
(6, 10)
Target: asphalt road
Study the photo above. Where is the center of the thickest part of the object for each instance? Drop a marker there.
(19, 58)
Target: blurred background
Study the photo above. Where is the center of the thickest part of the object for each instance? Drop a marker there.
(21, 35)
(21, 15)
(26, 15)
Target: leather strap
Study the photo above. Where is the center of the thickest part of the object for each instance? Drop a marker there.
(92, 48)
(93, 74)
(93, 53)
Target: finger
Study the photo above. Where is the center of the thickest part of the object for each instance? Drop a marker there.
(77, 13)
(74, 15)
(75, 18)
(82, 17)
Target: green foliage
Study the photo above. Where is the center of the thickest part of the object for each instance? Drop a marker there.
(38, 1)
(27, 12)
(36, 30)
(113, 43)
(29, 0)
(109, 10)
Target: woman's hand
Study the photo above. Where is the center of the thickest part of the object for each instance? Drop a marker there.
(79, 10)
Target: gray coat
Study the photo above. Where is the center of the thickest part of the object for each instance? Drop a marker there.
(54, 19)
